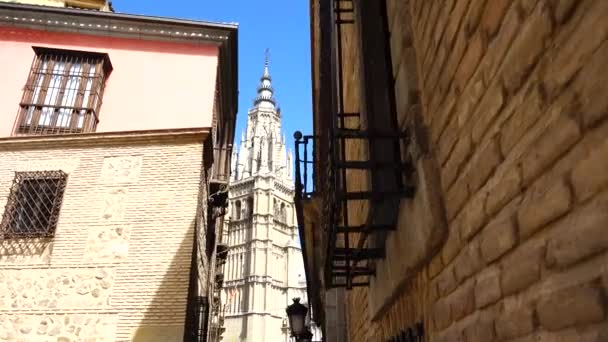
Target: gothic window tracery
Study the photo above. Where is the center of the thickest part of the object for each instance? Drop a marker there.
(283, 213)
(250, 207)
(237, 210)
(275, 208)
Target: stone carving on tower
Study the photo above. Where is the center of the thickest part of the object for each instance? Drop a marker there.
(264, 269)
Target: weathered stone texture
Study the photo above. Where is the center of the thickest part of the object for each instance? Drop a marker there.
(446, 281)
(120, 169)
(505, 186)
(442, 314)
(55, 288)
(526, 48)
(513, 324)
(487, 288)
(480, 331)
(579, 235)
(474, 216)
(493, 15)
(590, 175)
(521, 269)
(579, 40)
(554, 142)
(570, 307)
(58, 327)
(543, 206)
(483, 164)
(462, 301)
(469, 262)
(488, 108)
(497, 238)
(109, 243)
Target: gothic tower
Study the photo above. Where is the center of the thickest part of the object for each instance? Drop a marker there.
(264, 269)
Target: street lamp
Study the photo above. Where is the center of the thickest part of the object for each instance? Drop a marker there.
(296, 313)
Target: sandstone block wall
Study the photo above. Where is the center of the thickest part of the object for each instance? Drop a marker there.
(513, 94)
(118, 266)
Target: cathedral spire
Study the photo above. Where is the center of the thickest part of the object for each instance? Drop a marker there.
(262, 148)
(265, 98)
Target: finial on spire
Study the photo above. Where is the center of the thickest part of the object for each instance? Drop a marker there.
(266, 62)
(265, 98)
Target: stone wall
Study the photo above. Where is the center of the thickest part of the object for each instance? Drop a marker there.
(513, 96)
(22, 289)
(118, 266)
(58, 327)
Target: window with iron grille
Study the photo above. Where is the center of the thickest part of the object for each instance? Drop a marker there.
(63, 92)
(197, 319)
(33, 204)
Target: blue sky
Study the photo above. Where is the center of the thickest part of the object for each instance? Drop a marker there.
(280, 25)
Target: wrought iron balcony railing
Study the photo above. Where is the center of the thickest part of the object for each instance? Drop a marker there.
(356, 168)
(305, 165)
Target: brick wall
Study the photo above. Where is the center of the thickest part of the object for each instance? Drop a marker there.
(358, 318)
(118, 266)
(513, 94)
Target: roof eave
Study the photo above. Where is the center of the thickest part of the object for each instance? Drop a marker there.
(59, 19)
(113, 15)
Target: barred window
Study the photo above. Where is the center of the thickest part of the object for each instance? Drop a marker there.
(63, 92)
(33, 204)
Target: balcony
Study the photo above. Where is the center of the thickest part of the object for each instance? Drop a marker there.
(354, 168)
(219, 280)
(221, 254)
(41, 120)
(351, 246)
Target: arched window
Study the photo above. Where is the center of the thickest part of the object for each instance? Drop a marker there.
(250, 207)
(283, 214)
(237, 210)
(275, 208)
(242, 266)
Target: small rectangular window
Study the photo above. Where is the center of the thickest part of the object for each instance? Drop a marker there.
(63, 92)
(33, 204)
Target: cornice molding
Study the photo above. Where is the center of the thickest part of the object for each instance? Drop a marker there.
(113, 24)
(26, 142)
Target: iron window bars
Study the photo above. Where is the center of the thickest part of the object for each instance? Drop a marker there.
(198, 319)
(352, 247)
(33, 204)
(63, 92)
(305, 164)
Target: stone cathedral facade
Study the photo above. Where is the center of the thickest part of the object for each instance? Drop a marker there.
(264, 268)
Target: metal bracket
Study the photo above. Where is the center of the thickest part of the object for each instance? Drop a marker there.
(218, 202)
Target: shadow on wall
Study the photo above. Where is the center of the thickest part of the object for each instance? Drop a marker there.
(165, 316)
(16, 250)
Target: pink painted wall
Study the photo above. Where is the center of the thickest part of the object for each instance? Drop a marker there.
(154, 85)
